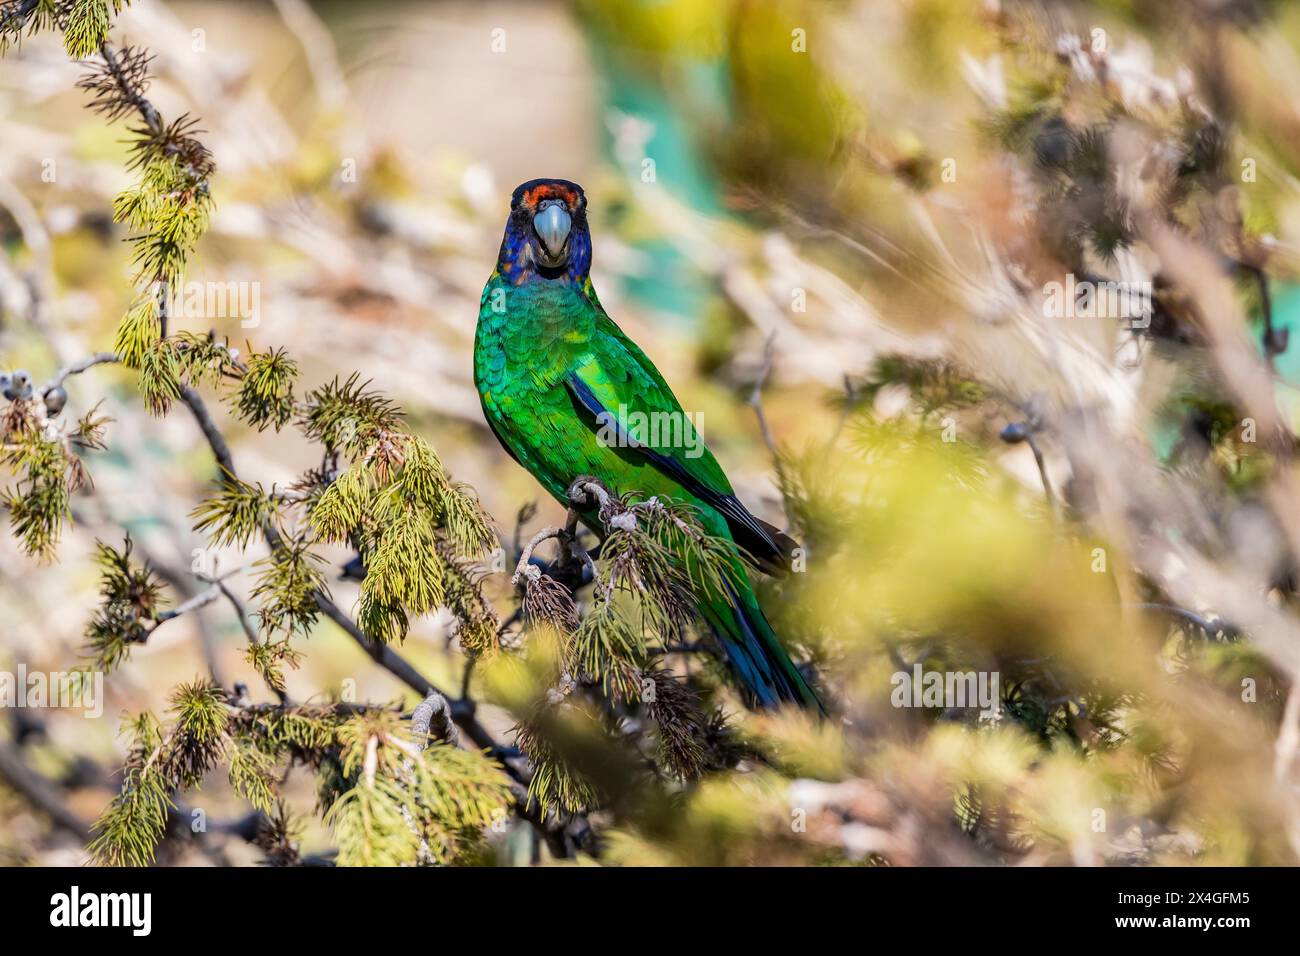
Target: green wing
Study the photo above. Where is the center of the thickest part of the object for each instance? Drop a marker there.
(621, 390)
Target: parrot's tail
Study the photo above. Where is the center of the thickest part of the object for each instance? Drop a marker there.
(766, 673)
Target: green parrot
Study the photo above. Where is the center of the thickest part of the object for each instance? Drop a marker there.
(553, 372)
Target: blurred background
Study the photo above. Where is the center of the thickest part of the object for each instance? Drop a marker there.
(830, 225)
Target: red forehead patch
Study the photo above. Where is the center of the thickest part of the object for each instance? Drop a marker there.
(549, 191)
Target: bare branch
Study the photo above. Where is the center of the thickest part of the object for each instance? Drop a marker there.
(79, 366)
(40, 793)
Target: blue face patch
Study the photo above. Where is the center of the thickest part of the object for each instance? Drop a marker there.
(520, 259)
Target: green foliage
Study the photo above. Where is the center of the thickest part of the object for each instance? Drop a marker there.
(371, 828)
(554, 786)
(165, 364)
(341, 508)
(288, 581)
(411, 522)
(458, 792)
(410, 801)
(160, 376)
(918, 551)
(416, 527)
(666, 559)
(169, 207)
(303, 732)
(89, 430)
(732, 820)
(403, 566)
(425, 483)
(48, 473)
(131, 602)
(138, 330)
(252, 775)
(934, 384)
(204, 360)
(207, 730)
(86, 24)
(127, 833)
(235, 513)
(397, 504)
(197, 741)
(348, 416)
(463, 596)
(266, 390)
(657, 564)
(403, 569)
(381, 621)
(40, 502)
(17, 18)
(609, 647)
(269, 658)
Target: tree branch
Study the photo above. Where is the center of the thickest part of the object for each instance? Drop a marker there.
(76, 368)
(40, 793)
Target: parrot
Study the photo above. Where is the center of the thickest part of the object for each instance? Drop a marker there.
(552, 370)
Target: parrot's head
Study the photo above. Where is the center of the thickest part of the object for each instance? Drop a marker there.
(546, 235)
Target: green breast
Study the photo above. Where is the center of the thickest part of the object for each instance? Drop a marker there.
(529, 339)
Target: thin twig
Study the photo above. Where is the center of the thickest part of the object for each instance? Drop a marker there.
(249, 631)
(756, 403)
(76, 368)
(1042, 473)
(202, 599)
(240, 613)
(1210, 625)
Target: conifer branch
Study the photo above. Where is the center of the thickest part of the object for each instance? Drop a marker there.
(120, 84)
(419, 528)
(463, 709)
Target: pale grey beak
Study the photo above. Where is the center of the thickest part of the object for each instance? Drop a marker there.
(552, 227)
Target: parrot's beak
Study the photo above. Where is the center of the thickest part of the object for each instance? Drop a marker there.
(552, 228)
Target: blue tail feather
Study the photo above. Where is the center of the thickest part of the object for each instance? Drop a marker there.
(755, 653)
